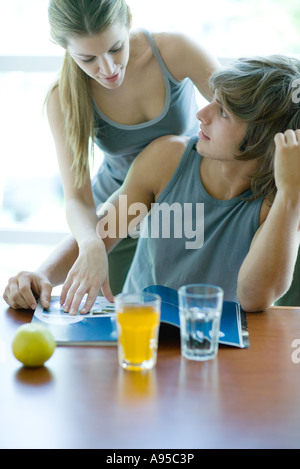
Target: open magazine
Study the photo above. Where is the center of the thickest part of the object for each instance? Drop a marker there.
(98, 327)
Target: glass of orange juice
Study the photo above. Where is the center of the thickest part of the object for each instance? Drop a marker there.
(138, 319)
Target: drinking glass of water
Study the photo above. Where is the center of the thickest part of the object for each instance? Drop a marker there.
(200, 309)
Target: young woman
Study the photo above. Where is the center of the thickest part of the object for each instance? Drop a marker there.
(244, 167)
(118, 89)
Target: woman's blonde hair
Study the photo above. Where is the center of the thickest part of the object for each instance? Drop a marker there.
(259, 91)
(80, 17)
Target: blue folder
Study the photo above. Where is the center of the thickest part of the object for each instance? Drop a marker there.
(99, 326)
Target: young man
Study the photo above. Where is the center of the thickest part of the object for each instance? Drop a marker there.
(243, 195)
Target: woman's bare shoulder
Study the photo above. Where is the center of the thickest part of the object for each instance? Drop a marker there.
(53, 103)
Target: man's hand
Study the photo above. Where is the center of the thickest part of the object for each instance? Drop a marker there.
(287, 162)
(287, 166)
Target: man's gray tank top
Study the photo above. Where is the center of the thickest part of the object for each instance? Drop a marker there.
(122, 143)
(228, 227)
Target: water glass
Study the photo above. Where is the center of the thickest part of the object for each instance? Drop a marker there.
(200, 310)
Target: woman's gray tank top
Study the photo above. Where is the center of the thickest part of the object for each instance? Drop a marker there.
(226, 228)
(122, 143)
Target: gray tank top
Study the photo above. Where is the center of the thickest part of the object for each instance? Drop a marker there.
(226, 227)
(122, 143)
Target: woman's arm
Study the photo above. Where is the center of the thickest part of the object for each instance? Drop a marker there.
(85, 275)
(267, 271)
(80, 207)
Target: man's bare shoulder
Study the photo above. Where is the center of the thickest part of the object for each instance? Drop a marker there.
(166, 148)
(161, 159)
(155, 166)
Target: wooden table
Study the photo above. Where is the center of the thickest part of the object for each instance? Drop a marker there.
(245, 398)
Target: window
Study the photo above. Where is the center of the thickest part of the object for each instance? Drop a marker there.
(31, 198)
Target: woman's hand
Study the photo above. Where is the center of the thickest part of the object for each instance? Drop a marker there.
(88, 275)
(23, 289)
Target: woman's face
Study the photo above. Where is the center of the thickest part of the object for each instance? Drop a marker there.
(103, 56)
